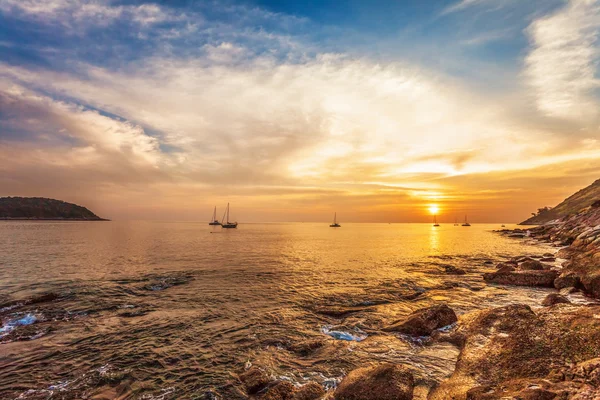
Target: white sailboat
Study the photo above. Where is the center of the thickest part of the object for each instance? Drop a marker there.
(227, 224)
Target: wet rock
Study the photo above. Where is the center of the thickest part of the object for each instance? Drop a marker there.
(310, 391)
(424, 321)
(255, 380)
(544, 278)
(567, 279)
(591, 282)
(513, 353)
(554, 298)
(379, 382)
(339, 311)
(504, 268)
(452, 270)
(306, 347)
(531, 265)
(281, 390)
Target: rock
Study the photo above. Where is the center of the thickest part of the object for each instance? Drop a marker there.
(567, 279)
(310, 391)
(255, 380)
(531, 265)
(380, 382)
(306, 347)
(554, 298)
(543, 278)
(504, 268)
(513, 353)
(591, 283)
(424, 321)
(452, 270)
(548, 259)
(281, 390)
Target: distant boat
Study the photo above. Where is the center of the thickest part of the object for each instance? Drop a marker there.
(435, 223)
(335, 224)
(466, 222)
(214, 220)
(227, 224)
(455, 221)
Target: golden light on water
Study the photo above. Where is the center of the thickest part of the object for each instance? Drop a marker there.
(434, 209)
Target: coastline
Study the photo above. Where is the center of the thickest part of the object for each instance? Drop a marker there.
(550, 351)
(52, 219)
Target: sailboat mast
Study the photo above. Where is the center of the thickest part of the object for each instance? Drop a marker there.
(227, 212)
(335, 218)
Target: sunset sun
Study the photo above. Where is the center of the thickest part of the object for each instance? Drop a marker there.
(434, 209)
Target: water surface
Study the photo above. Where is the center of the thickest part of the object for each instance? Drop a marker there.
(172, 310)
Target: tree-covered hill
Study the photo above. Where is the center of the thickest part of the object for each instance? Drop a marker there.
(39, 208)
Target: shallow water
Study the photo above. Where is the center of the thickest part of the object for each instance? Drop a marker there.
(172, 310)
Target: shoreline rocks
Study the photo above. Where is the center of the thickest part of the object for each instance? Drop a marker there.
(378, 382)
(424, 321)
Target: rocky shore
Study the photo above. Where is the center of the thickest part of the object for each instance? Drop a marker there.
(511, 352)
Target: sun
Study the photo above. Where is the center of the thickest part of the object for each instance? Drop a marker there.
(434, 209)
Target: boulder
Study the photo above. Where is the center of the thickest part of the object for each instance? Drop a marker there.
(310, 391)
(531, 265)
(567, 279)
(255, 380)
(379, 382)
(544, 278)
(548, 259)
(504, 268)
(424, 321)
(281, 390)
(555, 298)
(591, 283)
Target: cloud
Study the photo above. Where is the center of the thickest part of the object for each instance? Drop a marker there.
(562, 65)
(213, 108)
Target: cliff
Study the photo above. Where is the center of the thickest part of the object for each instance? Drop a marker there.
(39, 208)
(572, 205)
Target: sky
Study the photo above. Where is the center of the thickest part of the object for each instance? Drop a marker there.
(294, 110)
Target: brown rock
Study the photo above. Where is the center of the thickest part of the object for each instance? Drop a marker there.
(380, 382)
(452, 270)
(424, 321)
(591, 283)
(554, 298)
(567, 279)
(310, 391)
(504, 268)
(543, 278)
(531, 265)
(281, 390)
(255, 380)
(306, 347)
(548, 259)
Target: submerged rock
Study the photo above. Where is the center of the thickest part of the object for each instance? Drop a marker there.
(424, 321)
(255, 380)
(310, 391)
(452, 270)
(379, 382)
(544, 278)
(554, 298)
(281, 390)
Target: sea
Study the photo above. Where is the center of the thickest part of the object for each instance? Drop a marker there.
(176, 310)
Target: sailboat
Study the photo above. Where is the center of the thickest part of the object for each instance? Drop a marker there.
(435, 223)
(214, 220)
(466, 222)
(455, 221)
(335, 224)
(227, 224)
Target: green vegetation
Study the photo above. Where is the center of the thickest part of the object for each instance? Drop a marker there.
(572, 205)
(39, 208)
